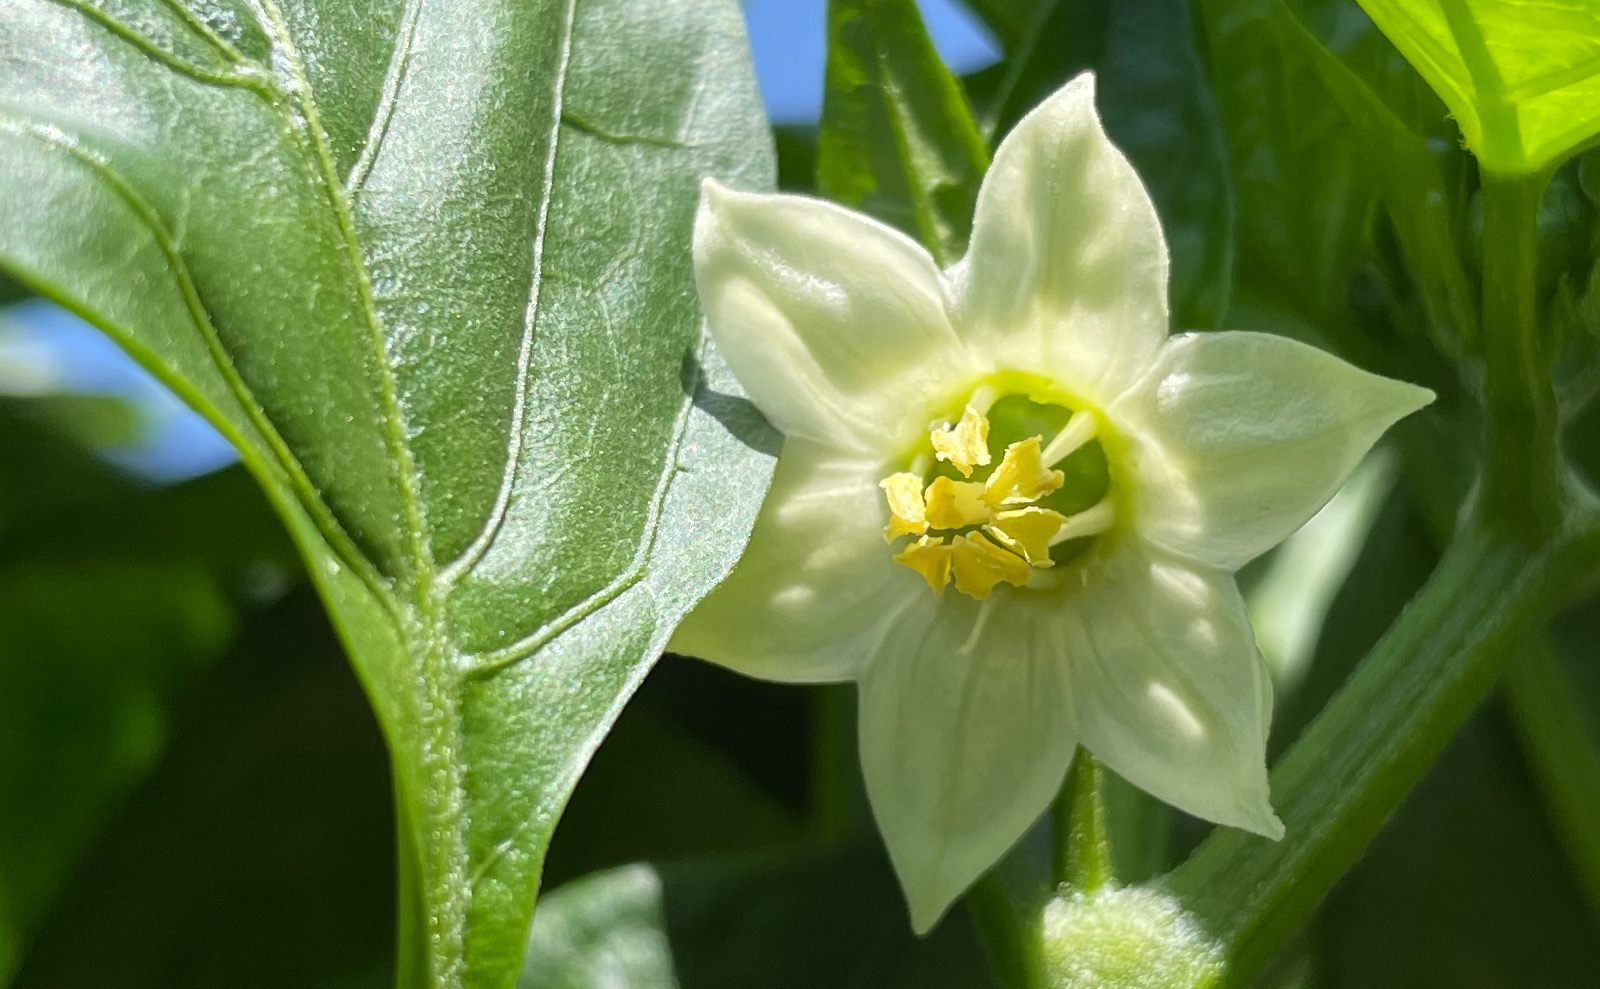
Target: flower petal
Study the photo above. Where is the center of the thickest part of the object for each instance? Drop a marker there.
(834, 324)
(816, 586)
(1067, 272)
(1239, 438)
(1168, 687)
(965, 739)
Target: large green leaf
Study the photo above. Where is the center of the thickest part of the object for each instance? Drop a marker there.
(426, 265)
(897, 139)
(1522, 78)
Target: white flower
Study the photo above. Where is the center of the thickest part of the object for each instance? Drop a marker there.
(1068, 492)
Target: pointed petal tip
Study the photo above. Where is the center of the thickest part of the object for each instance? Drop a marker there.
(929, 897)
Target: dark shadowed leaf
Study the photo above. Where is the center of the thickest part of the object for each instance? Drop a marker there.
(897, 139)
(1157, 106)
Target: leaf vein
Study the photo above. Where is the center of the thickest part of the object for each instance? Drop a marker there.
(242, 79)
(492, 524)
(493, 661)
(305, 492)
(389, 98)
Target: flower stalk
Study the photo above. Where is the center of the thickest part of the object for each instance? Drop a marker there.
(1082, 843)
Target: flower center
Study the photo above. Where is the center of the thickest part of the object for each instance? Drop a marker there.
(1016, 485)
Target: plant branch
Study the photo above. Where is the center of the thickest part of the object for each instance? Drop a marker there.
(1357, 760)
(1521, 476)
(1564, 755)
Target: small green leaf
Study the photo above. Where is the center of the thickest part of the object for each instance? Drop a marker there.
(1521, 78)
(897, 139)
(427, 266)
(797, 920)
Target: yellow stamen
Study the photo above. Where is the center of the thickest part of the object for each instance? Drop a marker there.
(1027, 532)
(906, 514)
(978, 565)
(965, 445)
(1021, 476)
(929, 556)
(953, 504)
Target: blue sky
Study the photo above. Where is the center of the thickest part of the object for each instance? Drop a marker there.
(53, 348)
(787, 41)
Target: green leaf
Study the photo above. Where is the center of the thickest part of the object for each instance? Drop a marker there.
(805, 920)
(86, 704)
(1303, 193)
(1465, 886)
(897, 139)
(1157, 107)
(426, 265)
(1412, 185)
(266, 823)
(1521, 78)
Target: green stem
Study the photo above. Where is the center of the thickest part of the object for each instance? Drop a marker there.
(1082, 847)
(1356, 761)
(1521, 478)
(1564, 755)
(1010, 939)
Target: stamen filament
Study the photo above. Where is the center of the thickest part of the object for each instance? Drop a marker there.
(1078, 431)
(983, 398)
(1089, 522)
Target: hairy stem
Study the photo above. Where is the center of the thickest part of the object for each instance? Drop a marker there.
(1082, 844)
(1357, 760)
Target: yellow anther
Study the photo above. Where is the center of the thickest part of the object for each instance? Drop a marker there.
(906, 517)
(953, 504)
(1021, 476)
(965, 445)
(1027, 532)
(978, 565)
(929, 556)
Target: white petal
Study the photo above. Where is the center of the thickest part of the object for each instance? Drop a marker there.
(964, 740)
(817, 584)
(1168, 687)
(834, 324)
(1239, 438)
(1067, 272)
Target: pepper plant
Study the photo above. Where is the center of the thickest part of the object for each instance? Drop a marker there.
(432, 268)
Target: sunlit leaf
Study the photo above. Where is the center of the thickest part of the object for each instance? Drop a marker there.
(426, 265)
(1522, 78)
